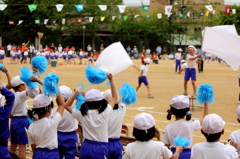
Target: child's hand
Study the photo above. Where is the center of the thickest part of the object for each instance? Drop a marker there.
(233, 143)
(110, 76)
(78, 89)
(34, 79)
(4, 69)
(179, 149)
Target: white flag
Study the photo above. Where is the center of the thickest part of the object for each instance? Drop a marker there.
(45, 21)
(20, 21)
(159, 15)
(213, 12)
(63, 21)
(102, 7)
(59, 7)
(121, 8)
(233, 11)
(113, 17)
(188, 14)
(135, 16)
(209, 7)
(169, 14)
(90, 19)
(3, 6)
(168, 9)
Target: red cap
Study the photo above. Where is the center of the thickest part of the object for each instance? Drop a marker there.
(64, 49)
(81, 49)
(42, 50)
(14, 49)
(51, 50)
(71, 49)
(18, 48)
(1, 48)
(55, 49)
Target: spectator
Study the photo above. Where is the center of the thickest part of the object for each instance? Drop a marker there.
(9, 48)
(159, 50)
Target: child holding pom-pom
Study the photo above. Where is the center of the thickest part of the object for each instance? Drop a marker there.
(144, 147)
(94, 115)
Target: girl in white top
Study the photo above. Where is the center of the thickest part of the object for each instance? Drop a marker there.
(94, 116)
(42, 134)
(144, 147)
(115, 127)
(179, 107)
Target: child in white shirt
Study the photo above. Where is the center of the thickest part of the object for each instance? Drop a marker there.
(2, 54)
(25, 56)
(178, 57)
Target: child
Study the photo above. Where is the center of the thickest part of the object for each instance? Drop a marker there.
(80, 56)
(143, 57)
(2, 54)
(178, 57)
(52, 55)
(219, 61)
(115, 127)
(64, 55)
(19, 114)
(5, 111)
(94, 116)
(143, 76)
(13, 53)
(25, 56)
(179, 107)
(43, 132)
(47, 55)
(90, 58)
(183, 67)
(209, 56)
(56, 54)
(18, 56)
(190, 70)
(155, 58)
(70, 56)
(212, 129)
(96, 56)
(144, 147)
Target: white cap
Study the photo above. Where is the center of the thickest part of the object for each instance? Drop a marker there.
(41, 101)
(182, 60)
(107, 95)
(16, 81)
(93, 95)
(191, 46)
(212, 124)
(147, 60)
(238, 112)
(143, 121)
(65, 91)
(179, 49)
(180, 102)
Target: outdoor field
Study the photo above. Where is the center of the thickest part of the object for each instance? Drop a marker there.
(164, 84)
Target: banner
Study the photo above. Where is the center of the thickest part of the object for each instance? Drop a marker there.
(20, 21)
(102, 18)
(59, 7)
(227, 10)
(79, 20)
(188, 14)
(125, 17)
(147, 16)
(32, 7)
(145, 8)
(102, 7)
(121, 8)
(233, 11)
(159, 15)
(79, 7)
(63, 21)
(54, 21)
(168, 9)
(37, 21)
(40, 35)
(113, 17)
(3, 6)
(45, 21)
(183, 8)
(11, 22)
(90, 19)
(207, 13)
(209, 7)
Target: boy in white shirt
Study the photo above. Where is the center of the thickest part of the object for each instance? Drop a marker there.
(178, 57)
(2, 53)
(18, 56)
(25, 56)
(212, 129)
(190, 70)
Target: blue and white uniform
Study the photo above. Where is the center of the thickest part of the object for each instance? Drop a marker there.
(18, 54)
(64, 55)
(2, 54)
(178, 61)
(52, 55)
(56, 54)
(25, 55)
(70, 54)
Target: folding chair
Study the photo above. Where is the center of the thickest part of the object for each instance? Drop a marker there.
(157, 134)
(126, 140)
(124, 129)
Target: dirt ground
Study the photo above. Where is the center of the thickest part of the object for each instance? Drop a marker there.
(164, 84)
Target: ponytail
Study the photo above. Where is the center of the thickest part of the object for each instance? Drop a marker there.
(39, 111)
(84, 109)
(169, 115)
(188, 116)
(100, 105)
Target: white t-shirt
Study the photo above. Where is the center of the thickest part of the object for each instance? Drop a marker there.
(52, 54)
(60, 48)
(64, 53)
(81, 53)
(18, 52)
(68, 123)
(213, 150)
(145, 69)
(115, 122)
(2, 52)
(9, 47)
(180, 128)
(178, 56)
(13, 53)
(235, 136)
(184, 65)
(70, 52)
(191, 63)
(89, 48)
(146, 150)
(25, 53)
(56, 53)
(43, 132)
(95, 125)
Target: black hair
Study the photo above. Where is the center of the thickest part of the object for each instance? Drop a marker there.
(181, 113)
(116, 106)
(212, 137)
(17, 87)
(39, 111)
(144, 135)
(100, 105)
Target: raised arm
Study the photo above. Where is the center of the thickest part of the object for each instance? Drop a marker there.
(112, 102)
(134, 66)
(61, 104)
(9, 77)
(193, 58)
(205, 112)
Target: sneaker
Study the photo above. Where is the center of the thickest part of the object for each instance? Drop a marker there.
(150, 96)
(194, 94)
(185, 93)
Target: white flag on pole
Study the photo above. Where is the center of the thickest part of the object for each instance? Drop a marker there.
(90, 19)
(209, 7)
(168, 9)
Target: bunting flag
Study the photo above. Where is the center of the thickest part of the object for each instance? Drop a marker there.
(54, 21)
(37, 21)
(90, 19)
(233, 11)
(63, 21)
(59, 7)
(125, 17)
(103, 7)
(121, 8)
(169, 14)
(113, 17)
(201, 14)
(188, 14)
(20, 21)
(79, 7)
(181, 15)
(119, 16)
(207, 13)
(79, 20)
(32, 7)
(102, 18)
(3, 6)
(214, 11)
(183, 8)
(135, 16)
(145, 8)
(168, 9)
(227, 10)
(11, 22)
(209, 7)
(159, 15)
(45, 21)
(147, 16)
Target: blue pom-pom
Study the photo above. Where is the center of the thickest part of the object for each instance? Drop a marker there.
(205, 94)
(95, 75)
(50, 85)
(80, 100)
(128, 94)
(30, 121)
(1, 66)
(40, 63)
(181, 141)
(25, 76)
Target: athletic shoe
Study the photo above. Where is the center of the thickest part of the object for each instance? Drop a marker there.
(150, 96)
(185, 93)
(194, 94)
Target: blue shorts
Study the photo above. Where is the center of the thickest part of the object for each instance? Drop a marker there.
(93, 150)
(17, 130)
(80, 57)
(14, 57)
(44, 153)
(47, 57)
(70, 56)
(4, 153)
(143, 80)
(186, 154)
(190, 73)
(208, 58)
(18, 56)
(52, 57)
(56, 57)
(67, 144)
(10, 55)
(1, 56)
(115, 148)
(219, 60)
(64, 57)
(90, 59)
(25, 57)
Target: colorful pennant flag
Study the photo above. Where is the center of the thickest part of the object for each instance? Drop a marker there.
(90, 19)
(183, 8)
(188, 14)
(125, 17)
(145, 8)
(103, 7)
(63, 21)
(168, 9)
(20, 21)
(121, 8)
(79, 7)
(32, 7)
(181, 15)
(147, 16)
(54, 21)
(135, 16)
(113, 17)
(102, 18)
(159, 15)
(207, 13)
(209, 7)
(227, 10)
(11, 22)
(201, 14)
(59, 7)
(45, 21)
(37, 21)
(214, 11)
(79, 20)
(233, 11)
(3, 6)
